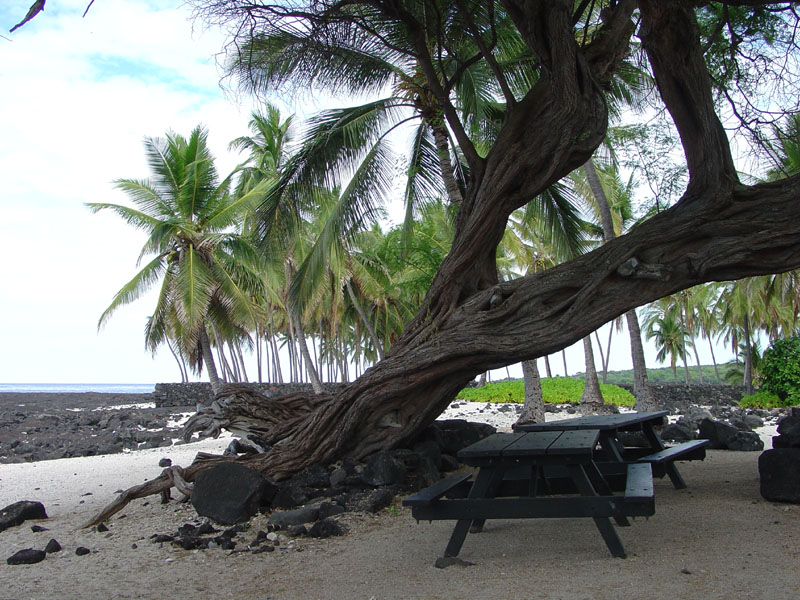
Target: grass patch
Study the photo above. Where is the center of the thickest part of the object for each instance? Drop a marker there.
(764, 399)
(555, 390)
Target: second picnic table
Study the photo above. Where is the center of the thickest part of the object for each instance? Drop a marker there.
(617, 454)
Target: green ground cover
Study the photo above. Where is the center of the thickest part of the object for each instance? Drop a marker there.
(555, 390)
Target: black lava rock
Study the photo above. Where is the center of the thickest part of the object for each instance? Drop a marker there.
(82, 551)
(52, 546)
(779, 470)
(28, 556)
(229, 493)
(326, 528)
(19, 512)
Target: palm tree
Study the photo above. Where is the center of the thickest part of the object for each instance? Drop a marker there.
(665, 328)
(208, 272)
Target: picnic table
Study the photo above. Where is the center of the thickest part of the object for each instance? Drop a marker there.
(512, 483)
(617, 454)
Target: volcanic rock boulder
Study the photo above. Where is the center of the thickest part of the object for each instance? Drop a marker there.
(229, 493)
(19, 512)
(779, 470)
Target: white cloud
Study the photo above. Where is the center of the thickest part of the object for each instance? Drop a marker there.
(79, 97)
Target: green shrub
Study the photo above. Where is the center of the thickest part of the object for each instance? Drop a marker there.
(780, 370)
(555, 390)
(762, 399)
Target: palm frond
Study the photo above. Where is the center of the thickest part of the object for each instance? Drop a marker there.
(141, 283)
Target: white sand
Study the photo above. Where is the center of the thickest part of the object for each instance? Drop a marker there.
(733, 544)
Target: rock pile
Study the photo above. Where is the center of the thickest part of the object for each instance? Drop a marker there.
(727, 427)
(779, 468)
(63, 433)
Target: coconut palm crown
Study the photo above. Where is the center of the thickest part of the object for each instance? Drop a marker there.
(208, 272)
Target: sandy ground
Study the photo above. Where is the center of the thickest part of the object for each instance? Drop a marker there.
(716, 539)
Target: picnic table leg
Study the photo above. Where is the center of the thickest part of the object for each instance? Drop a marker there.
(601, 486)
(584, 485)
(657, 444)
(485, 483)
(610, 444)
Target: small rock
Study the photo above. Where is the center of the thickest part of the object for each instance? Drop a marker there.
(38, 528)
(82, 551)
(326, 528)
(52, 546)
(102, 528)
(28, 556)
(165, 462)
(286, 519)
(297, 530)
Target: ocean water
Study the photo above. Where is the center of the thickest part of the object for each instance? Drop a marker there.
(77, 388)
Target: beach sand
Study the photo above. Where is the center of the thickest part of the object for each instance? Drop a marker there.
(718, 539)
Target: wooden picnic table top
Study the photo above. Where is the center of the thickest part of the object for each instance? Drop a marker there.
(533, 444)
(601, 422)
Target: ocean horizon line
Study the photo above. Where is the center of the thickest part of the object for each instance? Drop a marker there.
(77, 388)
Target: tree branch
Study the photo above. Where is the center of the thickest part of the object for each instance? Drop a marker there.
(670, 36)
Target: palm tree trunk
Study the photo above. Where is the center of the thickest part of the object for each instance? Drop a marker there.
(208, 359)
(564, 358)
(259, 354)
(714, 359)
(316, 384)
(547, 367)
(181, 366)
(243, 367)
(697, 359)
(748, 358)
(370, 329)
(591, 399)
(645, 400)
(602, 353)
(445, 166)
(606, 220)
(533, 409)
(278, 374)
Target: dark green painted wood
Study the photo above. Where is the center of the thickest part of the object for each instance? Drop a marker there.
(437, 490)
(489, 447)
(697, 448)
(619, 421)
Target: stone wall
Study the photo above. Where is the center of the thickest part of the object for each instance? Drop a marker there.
(671, 395)
(189, 394)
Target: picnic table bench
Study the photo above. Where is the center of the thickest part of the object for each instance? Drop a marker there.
(615, 453)
(512, 482)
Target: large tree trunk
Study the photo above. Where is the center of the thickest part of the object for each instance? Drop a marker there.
(533, 409)
(469, 322)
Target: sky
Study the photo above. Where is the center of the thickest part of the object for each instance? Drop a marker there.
(78, 97)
